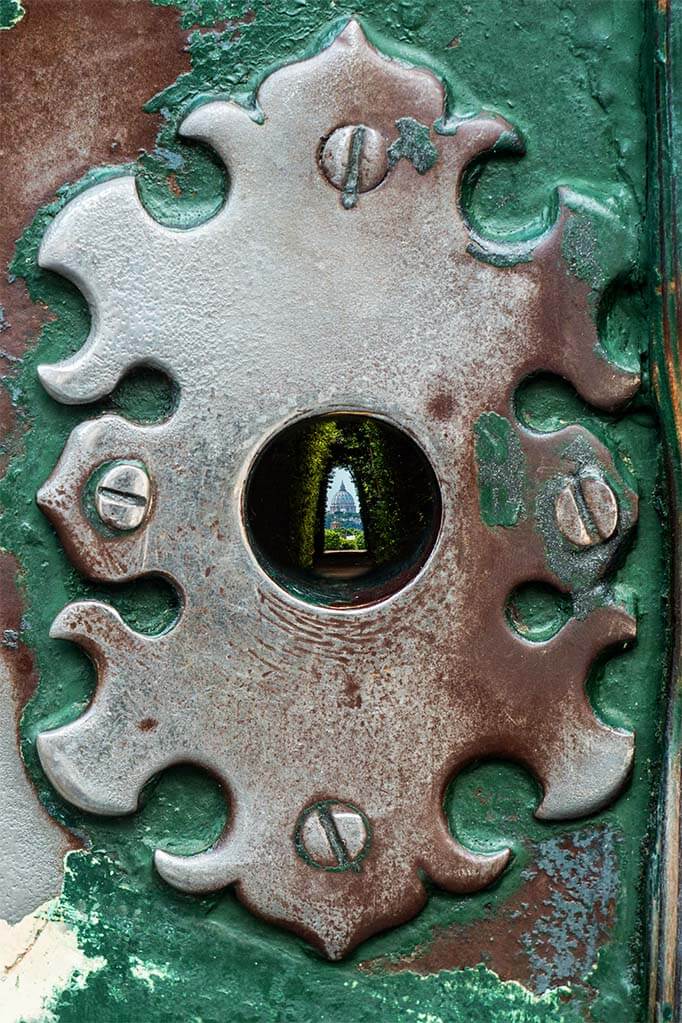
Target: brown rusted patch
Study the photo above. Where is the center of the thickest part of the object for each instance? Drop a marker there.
(550, 913)
(75, 79)
(497, 942)
(442, 405)
(18, 667)
(16, 655)
(7, 427)
(147, 724)
(17, 672)
(173, 185)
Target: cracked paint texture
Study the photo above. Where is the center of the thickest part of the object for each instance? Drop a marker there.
(170, 956)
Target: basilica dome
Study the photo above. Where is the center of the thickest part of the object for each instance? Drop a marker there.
(342, 503)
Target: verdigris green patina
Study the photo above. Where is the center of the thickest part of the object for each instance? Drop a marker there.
(575, 950)
(11, 11)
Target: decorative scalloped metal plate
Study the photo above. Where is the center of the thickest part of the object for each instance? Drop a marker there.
(251, 683)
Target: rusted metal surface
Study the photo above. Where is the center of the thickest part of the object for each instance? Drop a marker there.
(237, 311)
(60, 117)
(548, 933)
(79, 49)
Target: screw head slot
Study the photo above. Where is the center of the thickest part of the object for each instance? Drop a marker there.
(122, 496)
(586, 511)
(354, 159)
(332, 836)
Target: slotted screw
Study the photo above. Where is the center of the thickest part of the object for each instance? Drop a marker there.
(354, 160)
(586, 511)
(332, 836)
(122, 496)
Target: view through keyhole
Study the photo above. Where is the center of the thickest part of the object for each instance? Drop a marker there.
(344, 529)
(342, 510)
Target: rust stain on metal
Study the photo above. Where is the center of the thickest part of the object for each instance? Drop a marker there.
(148, 724)
(442, 405)
(18, 668)
(547, 934)
(78, 50)
(173, 186)
(16, 655)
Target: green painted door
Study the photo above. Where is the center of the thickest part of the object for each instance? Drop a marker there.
(581, 926)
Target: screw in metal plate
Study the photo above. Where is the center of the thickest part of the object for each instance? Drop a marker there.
(122, 496)
(332, 836)
(586, 511)
(354, 159)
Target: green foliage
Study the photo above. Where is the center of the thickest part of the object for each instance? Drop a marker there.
(306, 468)
(396, 488)
(344, 540)
(372, 453)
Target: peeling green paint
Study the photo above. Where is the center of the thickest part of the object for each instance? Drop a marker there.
(11, 13)
(565, 941)
(501, 470)
(181, 971)
(413, 144)
(170, 956)
(537, 612)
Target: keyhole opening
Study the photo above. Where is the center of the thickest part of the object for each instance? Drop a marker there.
(344, 553)
(342, 510)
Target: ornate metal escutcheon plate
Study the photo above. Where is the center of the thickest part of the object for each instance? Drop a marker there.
(343, 223)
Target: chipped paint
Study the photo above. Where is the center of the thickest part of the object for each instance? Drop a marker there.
(501, 470)
(563, 944)
(147, 973)
(413, 144)
(40, 959)
(553, 925)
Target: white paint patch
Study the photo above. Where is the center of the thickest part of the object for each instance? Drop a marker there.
(147, 972)
(39, 958)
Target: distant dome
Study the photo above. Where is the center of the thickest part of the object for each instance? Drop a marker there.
(342, 502)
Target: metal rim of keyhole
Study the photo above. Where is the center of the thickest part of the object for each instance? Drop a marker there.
(368, 591)
(333, 836)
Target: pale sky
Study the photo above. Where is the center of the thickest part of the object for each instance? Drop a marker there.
(342, 476)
